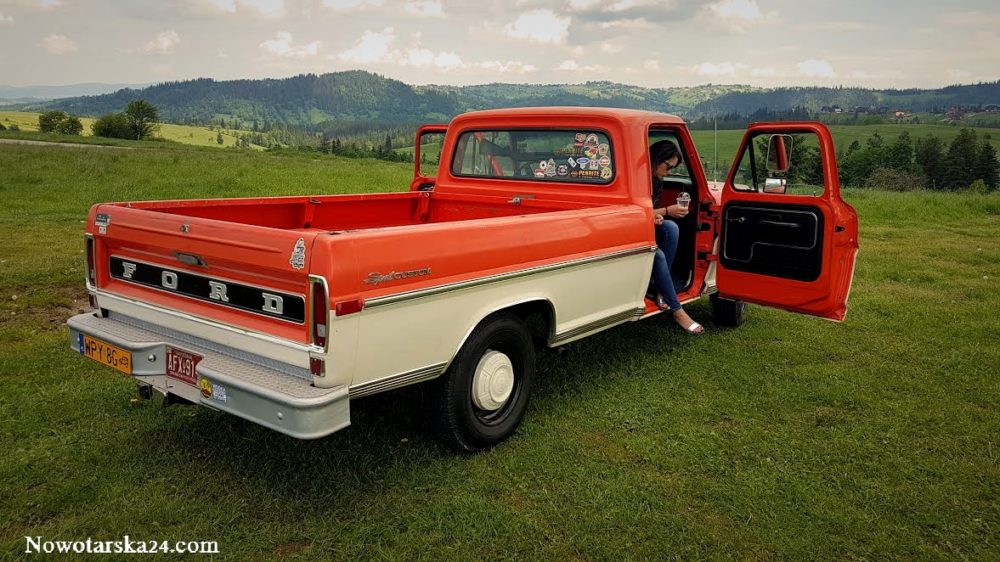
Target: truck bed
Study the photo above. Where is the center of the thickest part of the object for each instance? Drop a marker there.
(338, 213)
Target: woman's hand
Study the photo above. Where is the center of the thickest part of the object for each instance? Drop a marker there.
(676, 211)
(657, 219)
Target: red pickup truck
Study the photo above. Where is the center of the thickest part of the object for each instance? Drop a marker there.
(537, 229)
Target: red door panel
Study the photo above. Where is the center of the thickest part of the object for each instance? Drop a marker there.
(790, 251)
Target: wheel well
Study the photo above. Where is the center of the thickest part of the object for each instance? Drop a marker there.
(538, 316)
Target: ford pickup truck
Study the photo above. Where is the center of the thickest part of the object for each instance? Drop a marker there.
(535, 230)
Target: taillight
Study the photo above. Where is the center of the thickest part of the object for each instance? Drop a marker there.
(91, 261)
(320, 310)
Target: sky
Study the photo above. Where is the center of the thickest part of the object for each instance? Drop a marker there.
(654, 43)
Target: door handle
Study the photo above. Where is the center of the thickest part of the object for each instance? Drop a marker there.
(781, 224)
(739, 220)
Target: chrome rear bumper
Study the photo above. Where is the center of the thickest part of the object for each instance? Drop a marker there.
(230, 382)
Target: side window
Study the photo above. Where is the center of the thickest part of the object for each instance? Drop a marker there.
(786, 163)
(575, 156)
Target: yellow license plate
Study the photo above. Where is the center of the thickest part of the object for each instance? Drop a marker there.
(104, 352)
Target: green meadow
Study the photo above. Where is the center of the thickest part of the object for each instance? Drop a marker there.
(185, 134)
(787, 438)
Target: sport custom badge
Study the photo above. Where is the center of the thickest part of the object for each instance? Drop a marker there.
(298, 259)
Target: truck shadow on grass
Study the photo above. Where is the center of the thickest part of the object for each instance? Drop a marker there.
(390, 438)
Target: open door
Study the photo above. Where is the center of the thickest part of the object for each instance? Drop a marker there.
(787, 238)
(426, 156)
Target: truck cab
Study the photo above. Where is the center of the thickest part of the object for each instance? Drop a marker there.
(534, 229)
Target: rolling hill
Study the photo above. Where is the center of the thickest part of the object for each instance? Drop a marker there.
(310, 100)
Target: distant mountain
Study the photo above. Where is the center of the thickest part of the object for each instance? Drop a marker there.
(362, 100)
(42, 93)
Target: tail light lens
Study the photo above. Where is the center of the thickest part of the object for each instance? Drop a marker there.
(91, 261)
(320, 311)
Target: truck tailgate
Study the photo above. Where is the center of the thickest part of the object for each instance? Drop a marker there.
(242, 275)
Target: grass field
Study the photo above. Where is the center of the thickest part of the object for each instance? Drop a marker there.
(788, 438)
(186, 134)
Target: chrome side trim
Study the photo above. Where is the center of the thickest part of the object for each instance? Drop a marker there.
(459, 285)
(206, 322)
(396, 381)
(597, 325)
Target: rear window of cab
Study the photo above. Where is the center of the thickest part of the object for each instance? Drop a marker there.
(575, 156)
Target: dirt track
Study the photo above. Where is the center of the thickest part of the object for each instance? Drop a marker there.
(64, 144)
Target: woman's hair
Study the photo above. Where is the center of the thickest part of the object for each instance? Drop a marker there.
(661, 151)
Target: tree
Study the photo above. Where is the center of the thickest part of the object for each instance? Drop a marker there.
(899, 155)
(987, 166)
(59, 122)
(2, 128)
(142, 117)
(929, 154)
(49, 121)
(113, 125)
(218, 138)
(961, 163)
(70, 126)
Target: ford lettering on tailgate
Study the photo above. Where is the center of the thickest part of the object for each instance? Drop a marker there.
(267, 302)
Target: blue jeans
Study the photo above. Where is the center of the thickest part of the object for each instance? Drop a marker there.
(667, 235)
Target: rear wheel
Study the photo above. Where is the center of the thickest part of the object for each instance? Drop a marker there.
(482, 397)
(728, 312)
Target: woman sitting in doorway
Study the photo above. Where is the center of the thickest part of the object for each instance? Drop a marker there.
(663, 157)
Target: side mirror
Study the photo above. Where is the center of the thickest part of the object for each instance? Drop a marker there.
(775, 185)
(779, 154)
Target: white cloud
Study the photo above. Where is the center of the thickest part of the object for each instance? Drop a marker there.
(739, 15)
(972, 19)
(739, 9)
(447, 60)
(165, 43)
(222, 53)
(764, 72)
(837, 26)
(59, 45)
(228, 6)
(372, 47)
(716, 70)
(424, 8)
(266, 8)
(418, 57)
(816, 68)
(652, 65)
(49, 3)
(583, 4)
(626, 24)
(508, 67)
(573, 66)
(282, 46)
(539, 26)
(269, 8)
(345, 5)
